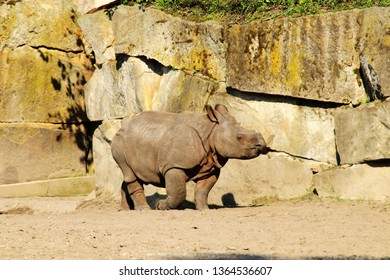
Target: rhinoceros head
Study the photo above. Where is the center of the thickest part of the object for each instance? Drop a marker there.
(230, 140)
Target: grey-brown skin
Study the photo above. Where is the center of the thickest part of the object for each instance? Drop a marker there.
(170, 149)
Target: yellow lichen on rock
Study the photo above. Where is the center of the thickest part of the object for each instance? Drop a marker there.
(294, 70)
(201, 62)
(275, 58)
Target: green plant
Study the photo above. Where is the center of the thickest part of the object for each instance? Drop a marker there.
(232, 11)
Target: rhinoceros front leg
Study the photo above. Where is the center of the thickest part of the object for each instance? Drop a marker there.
(137, 195)
(202, 189)
(175, 184)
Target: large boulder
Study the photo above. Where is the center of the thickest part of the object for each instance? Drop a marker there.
(46, 147)
(261, 179)
(363, 181)
(97, 29)
(314, 57)
(42, 61)
(363, 133)
(31, 152)
(111, 93)
(302, 131)
(60, 187)
(374, 43)
(108, 175)
(180, 92)
(121, 89)
(42, 85)
(182, 44)
(40, 23)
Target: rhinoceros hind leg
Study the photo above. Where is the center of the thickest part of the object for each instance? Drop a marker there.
(136, 192)
(126, 202)
(175, 183)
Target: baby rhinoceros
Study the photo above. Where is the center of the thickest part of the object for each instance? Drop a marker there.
(170, 149)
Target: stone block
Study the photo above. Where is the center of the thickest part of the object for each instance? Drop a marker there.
(31, 152)
(374, 43)
(138, 86)
(41, 85)
(62, 187)
(108, 175)
(264, 178)
(98, 32)
(363, 133)
(40, 23)
(302, 131)
(182, 44)
(313, 57)
(118, 93)
(363, 181)
(180, 92)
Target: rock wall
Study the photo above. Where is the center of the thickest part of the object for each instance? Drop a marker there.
(314, 57)
(297, 81)
(44, 130)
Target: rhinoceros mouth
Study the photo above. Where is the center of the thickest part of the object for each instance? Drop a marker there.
(251, 152)
(259, 149)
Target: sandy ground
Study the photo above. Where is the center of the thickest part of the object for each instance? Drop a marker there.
(302, 229)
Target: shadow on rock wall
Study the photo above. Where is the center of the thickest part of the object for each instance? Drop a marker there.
(73, 69)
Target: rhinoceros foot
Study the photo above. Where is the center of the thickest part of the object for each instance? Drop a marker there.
(133, 197)
(142, 208)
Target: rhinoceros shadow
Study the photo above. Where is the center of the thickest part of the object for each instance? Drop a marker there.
(228, 201)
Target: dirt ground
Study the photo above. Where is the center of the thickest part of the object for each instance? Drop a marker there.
(302, 229)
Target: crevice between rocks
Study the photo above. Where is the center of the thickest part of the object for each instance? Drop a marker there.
(153, 64)
(40, 47)
(293, 156)
(379, 163)
(266, 97)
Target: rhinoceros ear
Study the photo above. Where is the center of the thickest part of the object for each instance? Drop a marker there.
(211, 113)
(217, 114)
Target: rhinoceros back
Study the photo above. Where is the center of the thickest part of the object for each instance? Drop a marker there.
(139, 141)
